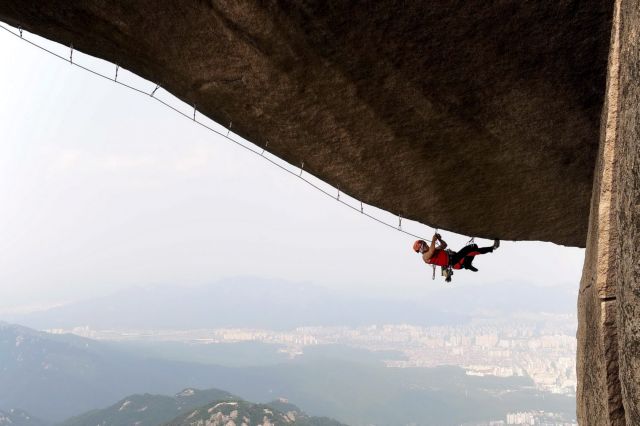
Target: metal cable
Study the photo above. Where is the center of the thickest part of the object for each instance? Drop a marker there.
(226, 136)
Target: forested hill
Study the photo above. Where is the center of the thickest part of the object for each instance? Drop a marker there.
(193, 406)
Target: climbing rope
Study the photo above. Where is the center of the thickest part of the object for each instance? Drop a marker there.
(114, 78)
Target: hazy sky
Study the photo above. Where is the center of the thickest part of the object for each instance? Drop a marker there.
(102, 188)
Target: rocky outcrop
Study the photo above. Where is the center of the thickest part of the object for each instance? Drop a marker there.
(598, 394)
(476, 117)
(627, 210)
(609, 301)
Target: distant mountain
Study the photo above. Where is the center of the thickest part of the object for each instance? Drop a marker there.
(16, 417)
(247, 413)
(57, 376)
(193, 405)
(250, 303)
(271, 304)
(149, 410)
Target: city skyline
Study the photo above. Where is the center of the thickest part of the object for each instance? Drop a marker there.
(541, 348)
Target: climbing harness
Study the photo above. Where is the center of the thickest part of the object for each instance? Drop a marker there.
(447, 271)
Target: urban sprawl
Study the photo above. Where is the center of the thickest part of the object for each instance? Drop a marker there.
(542, 348)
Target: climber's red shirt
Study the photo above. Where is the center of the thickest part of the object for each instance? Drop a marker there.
(440, 258)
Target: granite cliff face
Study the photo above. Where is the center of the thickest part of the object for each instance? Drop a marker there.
(626, 210)
(609, 299)
(493, 119)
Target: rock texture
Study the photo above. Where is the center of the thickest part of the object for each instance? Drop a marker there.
(627, 210)
(598, 394)
(609, 301)
(476, 117)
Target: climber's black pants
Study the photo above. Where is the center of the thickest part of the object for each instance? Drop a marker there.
(468, 252)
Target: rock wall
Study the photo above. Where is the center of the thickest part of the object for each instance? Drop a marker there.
(609, 299)
(627, 210)
(599, 399)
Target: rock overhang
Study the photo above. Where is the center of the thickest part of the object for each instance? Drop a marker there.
(482, 118)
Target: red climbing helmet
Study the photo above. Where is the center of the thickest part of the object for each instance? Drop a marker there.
(418, 245)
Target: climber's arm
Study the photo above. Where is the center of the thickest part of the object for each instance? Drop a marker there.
(432, 248)
(443, 243)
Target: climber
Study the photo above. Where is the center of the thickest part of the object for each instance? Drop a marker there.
(438, 255)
